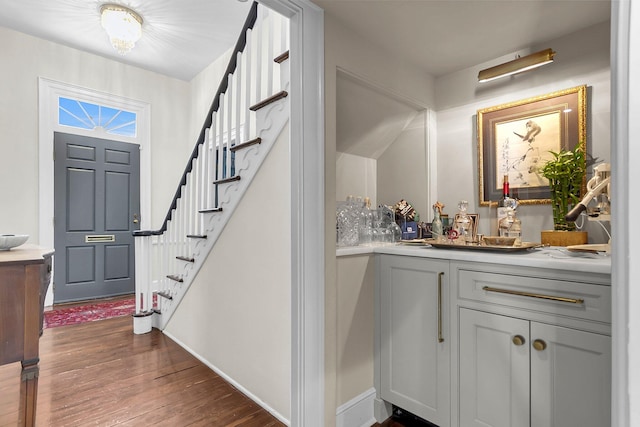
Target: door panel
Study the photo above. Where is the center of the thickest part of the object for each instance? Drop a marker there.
(494, 372)
(81, 203)
(116, 202)
(570, 378)
(414, 361)
(97, 188)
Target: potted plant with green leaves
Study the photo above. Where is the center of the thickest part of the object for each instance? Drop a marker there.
(565, 172)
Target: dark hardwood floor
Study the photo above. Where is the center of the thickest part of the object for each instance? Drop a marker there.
(101, 374)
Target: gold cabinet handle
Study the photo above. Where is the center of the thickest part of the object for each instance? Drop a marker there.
(440, 337)
(518, 340)
(532, 295)
(539, 345)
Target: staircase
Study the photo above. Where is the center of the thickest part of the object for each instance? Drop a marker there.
(248, 113)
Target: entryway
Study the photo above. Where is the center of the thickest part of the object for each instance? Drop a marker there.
(96, 208)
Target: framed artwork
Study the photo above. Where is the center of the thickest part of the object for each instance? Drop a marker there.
(515, 139)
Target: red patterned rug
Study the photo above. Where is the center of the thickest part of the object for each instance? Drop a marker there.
(89, 312)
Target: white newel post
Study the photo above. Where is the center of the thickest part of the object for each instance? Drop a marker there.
(143, 315)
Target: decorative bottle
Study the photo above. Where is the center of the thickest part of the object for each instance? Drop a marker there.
(463, 223)
(436, 224)
(366, 223)
(507, 202)
(511, 226)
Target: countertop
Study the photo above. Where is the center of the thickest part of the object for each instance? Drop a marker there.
(25, 254)
(557, 258)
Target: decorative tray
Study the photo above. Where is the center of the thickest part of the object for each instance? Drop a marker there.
(415, 242)
(447, 245)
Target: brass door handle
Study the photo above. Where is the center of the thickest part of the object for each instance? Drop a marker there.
(135, 219)
(539, 345)
(440, 337)
(518, 340)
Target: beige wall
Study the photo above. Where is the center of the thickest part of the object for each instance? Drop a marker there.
(402, 169)
(237, 312)
(354, 348)
(347, 51)
(582, 59)
(24, 59)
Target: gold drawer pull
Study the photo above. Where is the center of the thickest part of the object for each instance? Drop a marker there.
(531, 295)
(440, 336)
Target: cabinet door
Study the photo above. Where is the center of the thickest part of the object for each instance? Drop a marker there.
(570, 377)
(494, 370)
(414, 352)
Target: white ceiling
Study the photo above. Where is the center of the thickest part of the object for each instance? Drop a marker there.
(450, 35)
(180, 37)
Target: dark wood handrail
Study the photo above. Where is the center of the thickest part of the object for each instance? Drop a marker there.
(222, 88)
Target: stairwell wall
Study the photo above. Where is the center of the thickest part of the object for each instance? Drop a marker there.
(236, 316)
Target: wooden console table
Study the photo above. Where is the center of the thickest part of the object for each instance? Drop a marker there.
(25, 273)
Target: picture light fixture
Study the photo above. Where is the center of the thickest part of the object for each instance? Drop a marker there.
(516, 66)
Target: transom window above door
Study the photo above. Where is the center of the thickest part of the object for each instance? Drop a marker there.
(85, 115)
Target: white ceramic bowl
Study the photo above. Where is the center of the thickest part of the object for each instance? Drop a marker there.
(8, 241)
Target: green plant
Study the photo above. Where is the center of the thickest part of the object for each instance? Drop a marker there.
(565, 172)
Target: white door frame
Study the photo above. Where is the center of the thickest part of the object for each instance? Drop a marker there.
(307, 209)
(49, 91)
(625, 106)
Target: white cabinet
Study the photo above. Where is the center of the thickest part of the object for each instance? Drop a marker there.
(570, 377)
(494, 373)
(532, 351)
(481, 343)
(414, 356)
(516, 373)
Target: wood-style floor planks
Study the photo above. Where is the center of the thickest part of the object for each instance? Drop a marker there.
(101, 374)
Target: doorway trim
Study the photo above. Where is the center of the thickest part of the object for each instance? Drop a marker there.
(48, 93)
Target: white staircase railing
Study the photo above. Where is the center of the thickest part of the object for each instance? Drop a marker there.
(248, 113)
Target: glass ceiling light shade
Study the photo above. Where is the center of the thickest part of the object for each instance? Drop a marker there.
(123, 25)
(516, 66)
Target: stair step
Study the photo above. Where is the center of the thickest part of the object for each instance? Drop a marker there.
(163, 295)
(196, 236)
(246, 144)
(225, 180)
(174, 278)
(186, 258)
(281, 58)
(270, 100)
(209, 210)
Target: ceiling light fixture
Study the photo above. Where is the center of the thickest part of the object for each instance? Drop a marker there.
(123, 25)
(516, 66)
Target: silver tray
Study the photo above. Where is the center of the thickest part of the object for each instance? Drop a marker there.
(446, 245)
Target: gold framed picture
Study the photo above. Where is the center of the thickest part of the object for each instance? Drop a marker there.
(516, 139)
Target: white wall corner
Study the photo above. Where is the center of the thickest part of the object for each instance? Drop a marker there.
(358, 412)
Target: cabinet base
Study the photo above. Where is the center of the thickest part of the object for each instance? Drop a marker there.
(407, 419)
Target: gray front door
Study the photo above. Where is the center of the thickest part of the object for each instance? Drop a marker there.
(96, 208)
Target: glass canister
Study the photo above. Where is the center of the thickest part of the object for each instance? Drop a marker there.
(511, 226)
(462, 223)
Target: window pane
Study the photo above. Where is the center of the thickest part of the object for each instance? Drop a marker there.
(86, 115)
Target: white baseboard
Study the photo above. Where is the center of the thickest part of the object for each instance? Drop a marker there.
(358, 412)
(231, 381)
